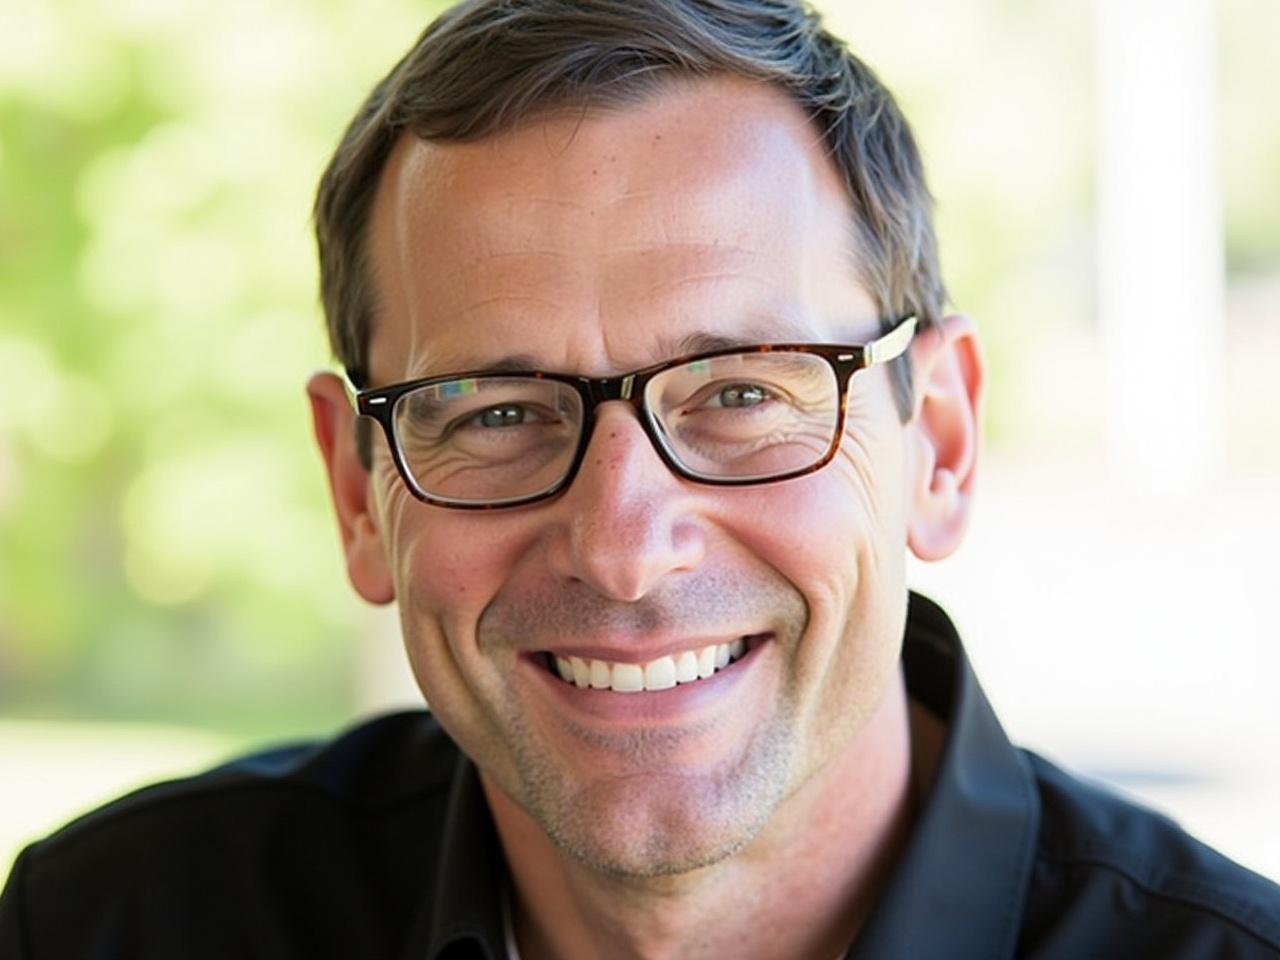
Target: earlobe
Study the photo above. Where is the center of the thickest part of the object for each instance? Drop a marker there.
(948, 372)
(333, 421)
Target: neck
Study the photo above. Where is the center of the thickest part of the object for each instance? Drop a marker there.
(803, 887)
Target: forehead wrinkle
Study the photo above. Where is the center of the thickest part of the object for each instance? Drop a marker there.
(667, 285)
(657, 270)
(504, 299)
(629, 193)
(620, 249)
(513, 200)
(487, 258)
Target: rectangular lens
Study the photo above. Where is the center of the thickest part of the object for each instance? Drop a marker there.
(488, 439)
(750, 415)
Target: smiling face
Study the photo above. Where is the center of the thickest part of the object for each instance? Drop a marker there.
(603, 243)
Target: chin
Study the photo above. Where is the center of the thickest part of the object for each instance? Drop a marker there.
(623, 840)
(652, 825)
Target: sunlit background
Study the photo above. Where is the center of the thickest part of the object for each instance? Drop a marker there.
(171, 589)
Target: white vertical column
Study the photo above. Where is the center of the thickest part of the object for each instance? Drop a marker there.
(1160, 248)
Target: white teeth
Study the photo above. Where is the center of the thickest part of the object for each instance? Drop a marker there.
(706, 662)
(627, 678)
(660, 674)
(687, 667)
(599, 675)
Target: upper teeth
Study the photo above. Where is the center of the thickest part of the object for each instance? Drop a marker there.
(660, 674)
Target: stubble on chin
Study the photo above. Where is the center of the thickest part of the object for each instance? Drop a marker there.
(651, 824)
(647, 827)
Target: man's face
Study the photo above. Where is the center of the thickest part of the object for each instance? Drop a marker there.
(598, 244)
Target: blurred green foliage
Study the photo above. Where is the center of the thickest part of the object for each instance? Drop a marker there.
(165, 544)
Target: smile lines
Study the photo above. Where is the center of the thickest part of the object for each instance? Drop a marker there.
(660, 674)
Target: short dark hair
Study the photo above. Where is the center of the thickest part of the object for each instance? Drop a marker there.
(485, 66)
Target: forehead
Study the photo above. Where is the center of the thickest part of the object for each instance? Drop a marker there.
(601, 241)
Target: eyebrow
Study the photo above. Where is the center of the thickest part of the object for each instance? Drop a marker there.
(707, 342)
(774, 330)
(511, 363)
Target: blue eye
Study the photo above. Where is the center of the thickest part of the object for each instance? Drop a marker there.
(740, 395)
(503, 415)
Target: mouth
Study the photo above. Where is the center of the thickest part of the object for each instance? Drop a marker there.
(684, 667)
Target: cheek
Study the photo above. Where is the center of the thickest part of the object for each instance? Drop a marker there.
(870, 625)
(871, 469)
(447, 564)
(839, 537)
(836, 533)
(447, 568)
(814, 533)
(450, 573)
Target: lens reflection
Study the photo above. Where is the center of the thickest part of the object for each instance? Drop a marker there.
(748, 415)
(753, 415)
(488, 438)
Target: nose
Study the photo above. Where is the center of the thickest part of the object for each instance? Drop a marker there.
(628, 520)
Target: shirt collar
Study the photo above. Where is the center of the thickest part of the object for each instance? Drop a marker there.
(466, 917)
(959, 888)
(957, 892)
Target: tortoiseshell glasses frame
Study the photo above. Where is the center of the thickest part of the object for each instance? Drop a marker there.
(844, 360)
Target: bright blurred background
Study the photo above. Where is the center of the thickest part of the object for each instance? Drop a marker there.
(171, 590)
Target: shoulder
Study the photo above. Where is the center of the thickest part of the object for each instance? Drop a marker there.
(370, 770)
(291, 829)
(1111, 874)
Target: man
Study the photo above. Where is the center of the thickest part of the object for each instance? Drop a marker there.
(642, 306)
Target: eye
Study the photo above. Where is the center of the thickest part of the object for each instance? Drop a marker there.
(503, 415)
(740, 395)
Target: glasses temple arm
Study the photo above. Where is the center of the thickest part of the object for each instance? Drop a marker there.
(892, 345)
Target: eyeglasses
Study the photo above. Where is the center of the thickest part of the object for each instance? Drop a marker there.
(729, 417)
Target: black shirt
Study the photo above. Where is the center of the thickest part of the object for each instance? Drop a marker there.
(379, 845)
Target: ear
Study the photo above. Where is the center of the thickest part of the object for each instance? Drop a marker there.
(334, 422)
(948, 374)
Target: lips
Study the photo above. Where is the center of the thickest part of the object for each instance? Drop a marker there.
(663, 673)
